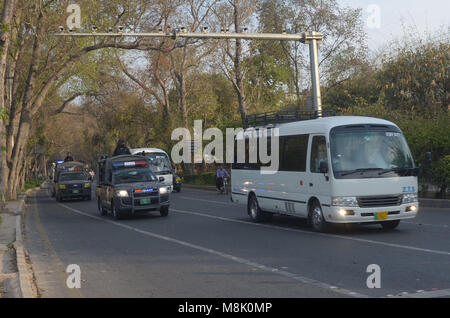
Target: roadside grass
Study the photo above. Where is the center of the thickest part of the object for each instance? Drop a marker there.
(33, 183)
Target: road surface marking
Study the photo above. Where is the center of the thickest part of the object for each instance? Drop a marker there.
(428, 294)
(425, 224)
(304, 280)
(230, 203)
(211, 201)
(55, 261)
(315, 233)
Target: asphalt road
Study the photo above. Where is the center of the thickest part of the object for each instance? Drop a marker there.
(208, 247)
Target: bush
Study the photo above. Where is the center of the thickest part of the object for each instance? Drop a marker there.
(441, 176)
(207, 178)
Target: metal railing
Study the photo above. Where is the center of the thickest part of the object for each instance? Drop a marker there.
(279, 117)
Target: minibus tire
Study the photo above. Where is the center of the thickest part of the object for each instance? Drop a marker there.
(257, 215)
(390, 225)
(316, 218)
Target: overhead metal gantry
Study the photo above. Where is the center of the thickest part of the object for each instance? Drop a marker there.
(311, 38)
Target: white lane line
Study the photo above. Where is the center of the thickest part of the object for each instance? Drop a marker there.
(428, 294)
(230, 203)
(210, 201)
(304, 280)
(425, 224)
(315, 233)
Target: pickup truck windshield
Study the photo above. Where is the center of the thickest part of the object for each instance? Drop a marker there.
(73, 176)
(133, 175)
(360, 152)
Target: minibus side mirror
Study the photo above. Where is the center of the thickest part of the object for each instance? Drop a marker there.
(323, 167)
(161, 179)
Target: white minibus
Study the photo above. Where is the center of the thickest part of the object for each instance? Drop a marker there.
(159, 163)
(332, 170)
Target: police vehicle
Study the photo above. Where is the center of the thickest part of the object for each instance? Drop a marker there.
(127, 186)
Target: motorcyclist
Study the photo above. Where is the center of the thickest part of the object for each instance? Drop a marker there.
(68, 157)
(121, 149)
(221, 173)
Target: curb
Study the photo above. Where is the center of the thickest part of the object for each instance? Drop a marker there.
(434, 203)
(199, 187)
(25, 276)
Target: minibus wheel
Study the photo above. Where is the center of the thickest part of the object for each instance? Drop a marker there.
(316, 218)
(390, 225)
(255, 212)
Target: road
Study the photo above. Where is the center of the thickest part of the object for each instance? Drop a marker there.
(207, 247)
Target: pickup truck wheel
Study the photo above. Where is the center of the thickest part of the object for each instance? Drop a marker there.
(116, 213)
(101, 209)
(164, 211)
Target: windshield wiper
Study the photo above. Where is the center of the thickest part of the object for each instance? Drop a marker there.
(395, 170)
(360, 170)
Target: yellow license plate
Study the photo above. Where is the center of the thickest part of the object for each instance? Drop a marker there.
(381, 215)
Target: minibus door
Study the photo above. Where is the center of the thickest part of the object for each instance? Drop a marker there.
(319, 181)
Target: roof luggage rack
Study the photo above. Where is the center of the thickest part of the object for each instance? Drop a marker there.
(288, 116)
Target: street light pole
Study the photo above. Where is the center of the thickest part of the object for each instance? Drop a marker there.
(312, 38)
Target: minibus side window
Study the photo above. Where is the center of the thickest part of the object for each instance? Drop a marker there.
(318, 153)
(294, 150)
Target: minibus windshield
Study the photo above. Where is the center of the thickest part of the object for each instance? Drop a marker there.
(363, 154)
(159, 163)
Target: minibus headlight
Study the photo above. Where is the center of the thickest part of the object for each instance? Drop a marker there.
(122, 193)
(62, 186)
(345, 201)
(409, 198)
(163, 190)
(87, 185)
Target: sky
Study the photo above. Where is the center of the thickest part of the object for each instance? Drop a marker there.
(417, 15)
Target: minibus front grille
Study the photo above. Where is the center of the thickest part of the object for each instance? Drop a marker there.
(371, 202)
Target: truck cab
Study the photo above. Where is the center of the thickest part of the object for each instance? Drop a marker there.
(127, 186)
(70, 181)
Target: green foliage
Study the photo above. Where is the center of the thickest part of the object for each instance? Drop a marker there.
(33, 183)
(417, 78)
(207, 178)
(441, 175)
(4, 115)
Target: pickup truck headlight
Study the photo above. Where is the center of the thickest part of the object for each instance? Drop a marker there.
(122, 193)
(409, 198)
(345, 201)
(163, 190)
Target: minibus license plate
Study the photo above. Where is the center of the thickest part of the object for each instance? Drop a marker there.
(144, 201)
(381, 215)
(75, 191)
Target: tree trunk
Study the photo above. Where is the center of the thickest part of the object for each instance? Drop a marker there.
(6, 18)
